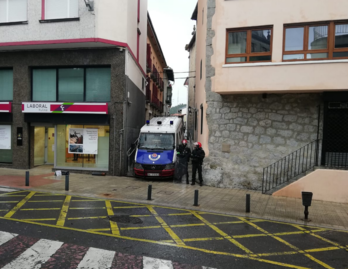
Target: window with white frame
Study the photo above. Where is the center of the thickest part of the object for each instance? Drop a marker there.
(13, 11)
(61, 9)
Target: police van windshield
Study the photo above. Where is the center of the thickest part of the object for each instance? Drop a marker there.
(156, 141)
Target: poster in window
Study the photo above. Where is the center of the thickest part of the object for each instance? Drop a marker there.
(5, 136)
(83, 141)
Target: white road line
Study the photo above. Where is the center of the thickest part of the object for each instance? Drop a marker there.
(97, 258)
(4, 237)
(203, 267)
(152, 263)
(7, 190)
(35, 256)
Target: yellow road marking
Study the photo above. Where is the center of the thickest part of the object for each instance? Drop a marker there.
(163, 243)
(39, 219)
(129, 206)
(226, 236)
(179, 214)
(19, 205)
(113, 225)
(8, 202)
(46, 201)
(319, 262)
(80, 218)
(228, 222)
(187, 225)
(140, 216)
(248, 235)
(49, 195)
(165, 226)
(99, 230)
(203, 239)
(89, 200)
(85, 208)
(140, 228)
(322, 249)
(167, 241)
(286, 243)
(39, 209)
(64, 211)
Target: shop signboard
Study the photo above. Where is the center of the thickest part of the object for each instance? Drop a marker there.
(5, 136)
(5, 107)
(83, 141)
(66, 108)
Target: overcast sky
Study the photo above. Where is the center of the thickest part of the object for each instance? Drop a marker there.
(173, 25)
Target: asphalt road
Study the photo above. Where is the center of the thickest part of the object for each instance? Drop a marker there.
(138, 234)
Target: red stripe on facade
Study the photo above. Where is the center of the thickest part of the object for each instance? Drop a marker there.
(6, 107)
(138, 10)
(127, 261)
(83, 108)
(138, 43)
(15, 247)
(67, 257)
(77, 40)
(43, 9)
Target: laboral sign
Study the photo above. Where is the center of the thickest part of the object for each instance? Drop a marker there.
(66, 108)
(5, 107)
(5, 136)
(83, 141)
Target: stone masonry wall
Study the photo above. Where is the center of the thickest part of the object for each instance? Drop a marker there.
(249, 132)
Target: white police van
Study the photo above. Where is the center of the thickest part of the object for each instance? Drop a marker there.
(156, 149)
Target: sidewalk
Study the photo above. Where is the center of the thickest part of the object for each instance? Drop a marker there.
(165, 193)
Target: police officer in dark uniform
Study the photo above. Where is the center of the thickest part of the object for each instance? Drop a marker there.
(198, 155)
(184, 153)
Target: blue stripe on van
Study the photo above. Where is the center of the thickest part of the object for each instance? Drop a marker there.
(163, 157)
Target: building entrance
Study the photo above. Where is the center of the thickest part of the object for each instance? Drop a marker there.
(44, 144)
(335, 145)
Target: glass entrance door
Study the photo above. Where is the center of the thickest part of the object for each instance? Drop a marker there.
(49, 146)
(44, 145)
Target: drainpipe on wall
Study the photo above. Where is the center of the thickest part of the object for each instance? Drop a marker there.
(121, 136)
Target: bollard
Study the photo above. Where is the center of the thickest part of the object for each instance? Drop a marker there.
(196, 198)
(247, 209)
(306, 202)
(67, 182)
(27, 178)
(149, 192)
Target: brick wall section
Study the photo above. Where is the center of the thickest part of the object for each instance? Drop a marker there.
(249, 132)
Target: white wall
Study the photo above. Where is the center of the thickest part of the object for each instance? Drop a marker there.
(35, 31)
(133, 72)
(111, 21)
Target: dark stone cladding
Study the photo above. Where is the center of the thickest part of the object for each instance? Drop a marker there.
(23, 61)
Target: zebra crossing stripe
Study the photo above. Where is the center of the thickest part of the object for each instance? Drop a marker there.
(97, 258)
(7, 190)
(150, 263)
(4, 237)
(17, 251)
(39, 253)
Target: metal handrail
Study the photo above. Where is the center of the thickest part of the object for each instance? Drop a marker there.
(131, 150)
(291, 166)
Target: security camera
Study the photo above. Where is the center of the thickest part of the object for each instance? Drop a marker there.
(121, 49)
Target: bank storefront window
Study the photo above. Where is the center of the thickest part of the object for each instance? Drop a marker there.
(82, 147)
(5, 144)
(75, 84)
(6, 84)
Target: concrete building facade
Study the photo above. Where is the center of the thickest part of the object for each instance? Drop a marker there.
(270, 80)
(72, 83)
